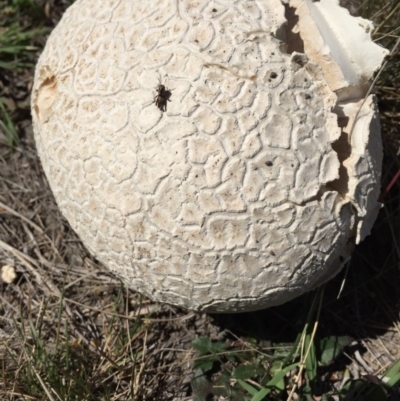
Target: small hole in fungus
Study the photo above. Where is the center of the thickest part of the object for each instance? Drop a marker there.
(269, 163)
(307, 96)
(273, 75)
(272, 253)
(214, 10)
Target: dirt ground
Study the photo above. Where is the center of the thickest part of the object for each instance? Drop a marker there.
(62, 289)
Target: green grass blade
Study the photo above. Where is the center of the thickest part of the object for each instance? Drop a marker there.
(311, 360)
(250, 389)
(7, 126)
(393, 374)
(273, 382)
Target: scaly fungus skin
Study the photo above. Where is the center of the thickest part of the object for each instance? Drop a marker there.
(231, 199)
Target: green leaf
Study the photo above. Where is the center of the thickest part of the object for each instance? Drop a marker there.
(247, 371)
(274, 382)
(208, 352)
(276, 367)
(393, 374)
(204, 364)
(280, 375)
(205, 346)
(330, 347)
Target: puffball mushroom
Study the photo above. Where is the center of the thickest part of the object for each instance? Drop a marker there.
(246, 191)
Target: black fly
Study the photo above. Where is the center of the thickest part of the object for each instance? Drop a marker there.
(162, 97)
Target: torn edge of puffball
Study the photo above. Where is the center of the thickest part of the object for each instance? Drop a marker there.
(343, 48)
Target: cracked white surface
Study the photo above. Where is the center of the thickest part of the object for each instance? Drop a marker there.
(223, 202)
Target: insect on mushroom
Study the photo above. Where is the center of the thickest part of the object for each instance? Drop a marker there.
(162, 97)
